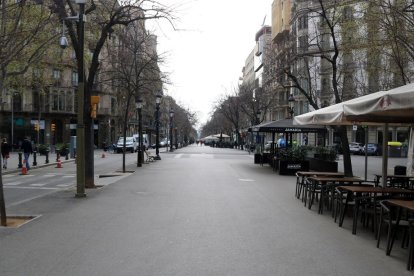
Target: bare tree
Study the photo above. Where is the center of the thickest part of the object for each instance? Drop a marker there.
(104, 16)
(320, 66)
(135, 69)
(23, 40)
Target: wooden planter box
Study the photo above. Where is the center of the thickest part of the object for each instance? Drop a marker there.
(320, 165)
(287, 167)
(257, 158)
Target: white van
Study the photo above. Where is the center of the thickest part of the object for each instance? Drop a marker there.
(145, 140)
(130, 144)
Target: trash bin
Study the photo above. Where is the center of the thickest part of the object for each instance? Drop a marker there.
(394, 149)
(400, 170)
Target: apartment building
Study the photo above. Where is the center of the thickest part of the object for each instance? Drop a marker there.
(317, 58)
(42, 103)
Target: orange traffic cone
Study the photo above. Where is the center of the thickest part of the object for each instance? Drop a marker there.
(59, 164)
(24, 169)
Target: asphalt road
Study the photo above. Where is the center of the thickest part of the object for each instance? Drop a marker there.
(198, 211)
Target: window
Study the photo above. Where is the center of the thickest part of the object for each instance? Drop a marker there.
(75, 78)
(303, 22)
(55, 100)
(69, 101)
(113, 106)
(61, 100)
(56, 74)
(347, 13)
(303, 42)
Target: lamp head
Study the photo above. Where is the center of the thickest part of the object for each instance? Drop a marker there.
(63, 42)
(138, 104)
(158, 97)
(291, 99)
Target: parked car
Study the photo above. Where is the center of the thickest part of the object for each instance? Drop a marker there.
(356, 148)
(130, 144)
(164, 143)
(372, 149)
(268, 145)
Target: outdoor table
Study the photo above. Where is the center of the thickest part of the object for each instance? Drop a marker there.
(373, 192)
(302, 175)
(409, 206)
(392, 177)
(325, 183)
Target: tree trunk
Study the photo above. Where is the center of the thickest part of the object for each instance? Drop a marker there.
(345, 149)
(2, 201)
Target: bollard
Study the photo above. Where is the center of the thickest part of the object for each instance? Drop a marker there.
(47, 157)
(57, 155)
(67, 155)
(20, 165)
(34, 158)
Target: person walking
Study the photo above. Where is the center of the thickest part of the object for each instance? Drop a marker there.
(27, 150)
(5, 152)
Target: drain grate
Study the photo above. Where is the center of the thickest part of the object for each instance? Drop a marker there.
(108, 175)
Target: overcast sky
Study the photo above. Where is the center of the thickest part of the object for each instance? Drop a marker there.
(206, 55)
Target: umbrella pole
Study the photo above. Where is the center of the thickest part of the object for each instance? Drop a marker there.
(410, 152)
(384, 156)
(366, 153)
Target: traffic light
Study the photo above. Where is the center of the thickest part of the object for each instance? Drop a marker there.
(94, 104)
(53, 127)
(36, 126)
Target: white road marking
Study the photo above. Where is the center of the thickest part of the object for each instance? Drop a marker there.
(38, 184)
(27, 187)
(13, 183)
(63, 185)
(178, 155)
(69, 176)
(246, 180)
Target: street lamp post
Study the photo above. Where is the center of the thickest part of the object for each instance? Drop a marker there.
(291, 101)
(157, 127)
(176, 137)
(138, 105)
(171, 128)
(258, 114)
(12, 122)
(80, 125)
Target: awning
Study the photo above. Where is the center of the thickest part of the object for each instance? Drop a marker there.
(395, 106)
(287, 126)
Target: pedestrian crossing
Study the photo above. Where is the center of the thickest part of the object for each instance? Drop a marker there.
(44, 181)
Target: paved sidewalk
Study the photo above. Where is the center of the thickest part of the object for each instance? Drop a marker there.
(198, 211)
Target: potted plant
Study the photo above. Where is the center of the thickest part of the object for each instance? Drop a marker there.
(63, 149)
(324, 160)
(42, 149)
(292, 159)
